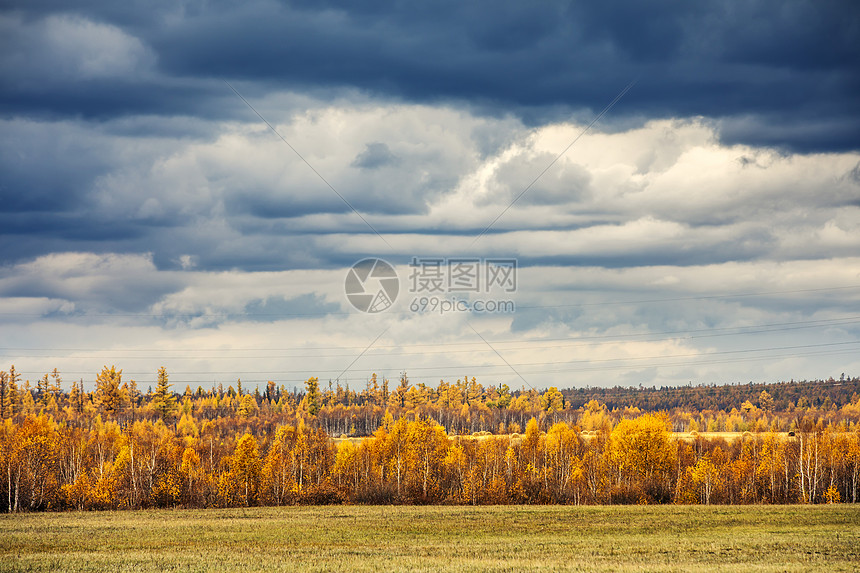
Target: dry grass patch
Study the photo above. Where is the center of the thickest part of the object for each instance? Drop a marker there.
(398, 538)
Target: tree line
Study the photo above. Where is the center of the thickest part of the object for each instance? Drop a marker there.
(457, 443)
(785, 395)
(464, 406)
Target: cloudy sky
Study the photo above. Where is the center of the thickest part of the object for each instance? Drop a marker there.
(187, 184)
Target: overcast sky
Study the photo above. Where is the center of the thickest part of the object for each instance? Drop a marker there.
(187, 184)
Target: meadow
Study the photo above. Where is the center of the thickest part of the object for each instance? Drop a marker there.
(435, 538)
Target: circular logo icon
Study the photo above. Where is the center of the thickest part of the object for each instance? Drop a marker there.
(372, 285)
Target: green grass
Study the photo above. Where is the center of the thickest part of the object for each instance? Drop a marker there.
(397, 538)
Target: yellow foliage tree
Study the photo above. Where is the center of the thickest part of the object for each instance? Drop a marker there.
(108, 395)
(641, 454)
(706, 477)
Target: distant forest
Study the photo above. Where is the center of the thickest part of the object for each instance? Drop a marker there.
(786, 395)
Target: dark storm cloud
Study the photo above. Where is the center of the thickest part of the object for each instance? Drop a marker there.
(773, 63)
(115, 136)
(267, 205)
(43, 169)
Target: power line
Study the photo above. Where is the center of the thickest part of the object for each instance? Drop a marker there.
(505, 373)
(467, 367)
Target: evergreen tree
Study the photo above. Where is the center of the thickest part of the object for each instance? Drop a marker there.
(56, 387)
(312, 398)
(11, 399)
(42, 390)
(76, 397)
(5, 397)
(163, 400)
(133, 397)
(108, 394)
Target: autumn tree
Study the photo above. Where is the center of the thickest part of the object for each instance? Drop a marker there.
(5, 398)
(347, 466)
(192, 472)
(595, 417)
(501, 398)
(279, 468)
(398, 396)
(706, 477)
(9, 398)
(247, 406)
(163, 401)
(455, 463)
(36, 474)
(765, 401)
(396, 448)
(427, 446)
(42, 390)
(77, 395)
(531, 470)
(108, 395)
(552, 401)
(770, 468)
(642, 455)
(56, 386)
(312, 396)
(134, 397)
(563, 464)
(240, 484)
(486, 475)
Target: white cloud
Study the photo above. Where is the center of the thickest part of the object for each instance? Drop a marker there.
(70, 47)
(665, 191)
(94, 49)
(110, 282)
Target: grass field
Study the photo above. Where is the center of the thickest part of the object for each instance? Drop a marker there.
(398, 538)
